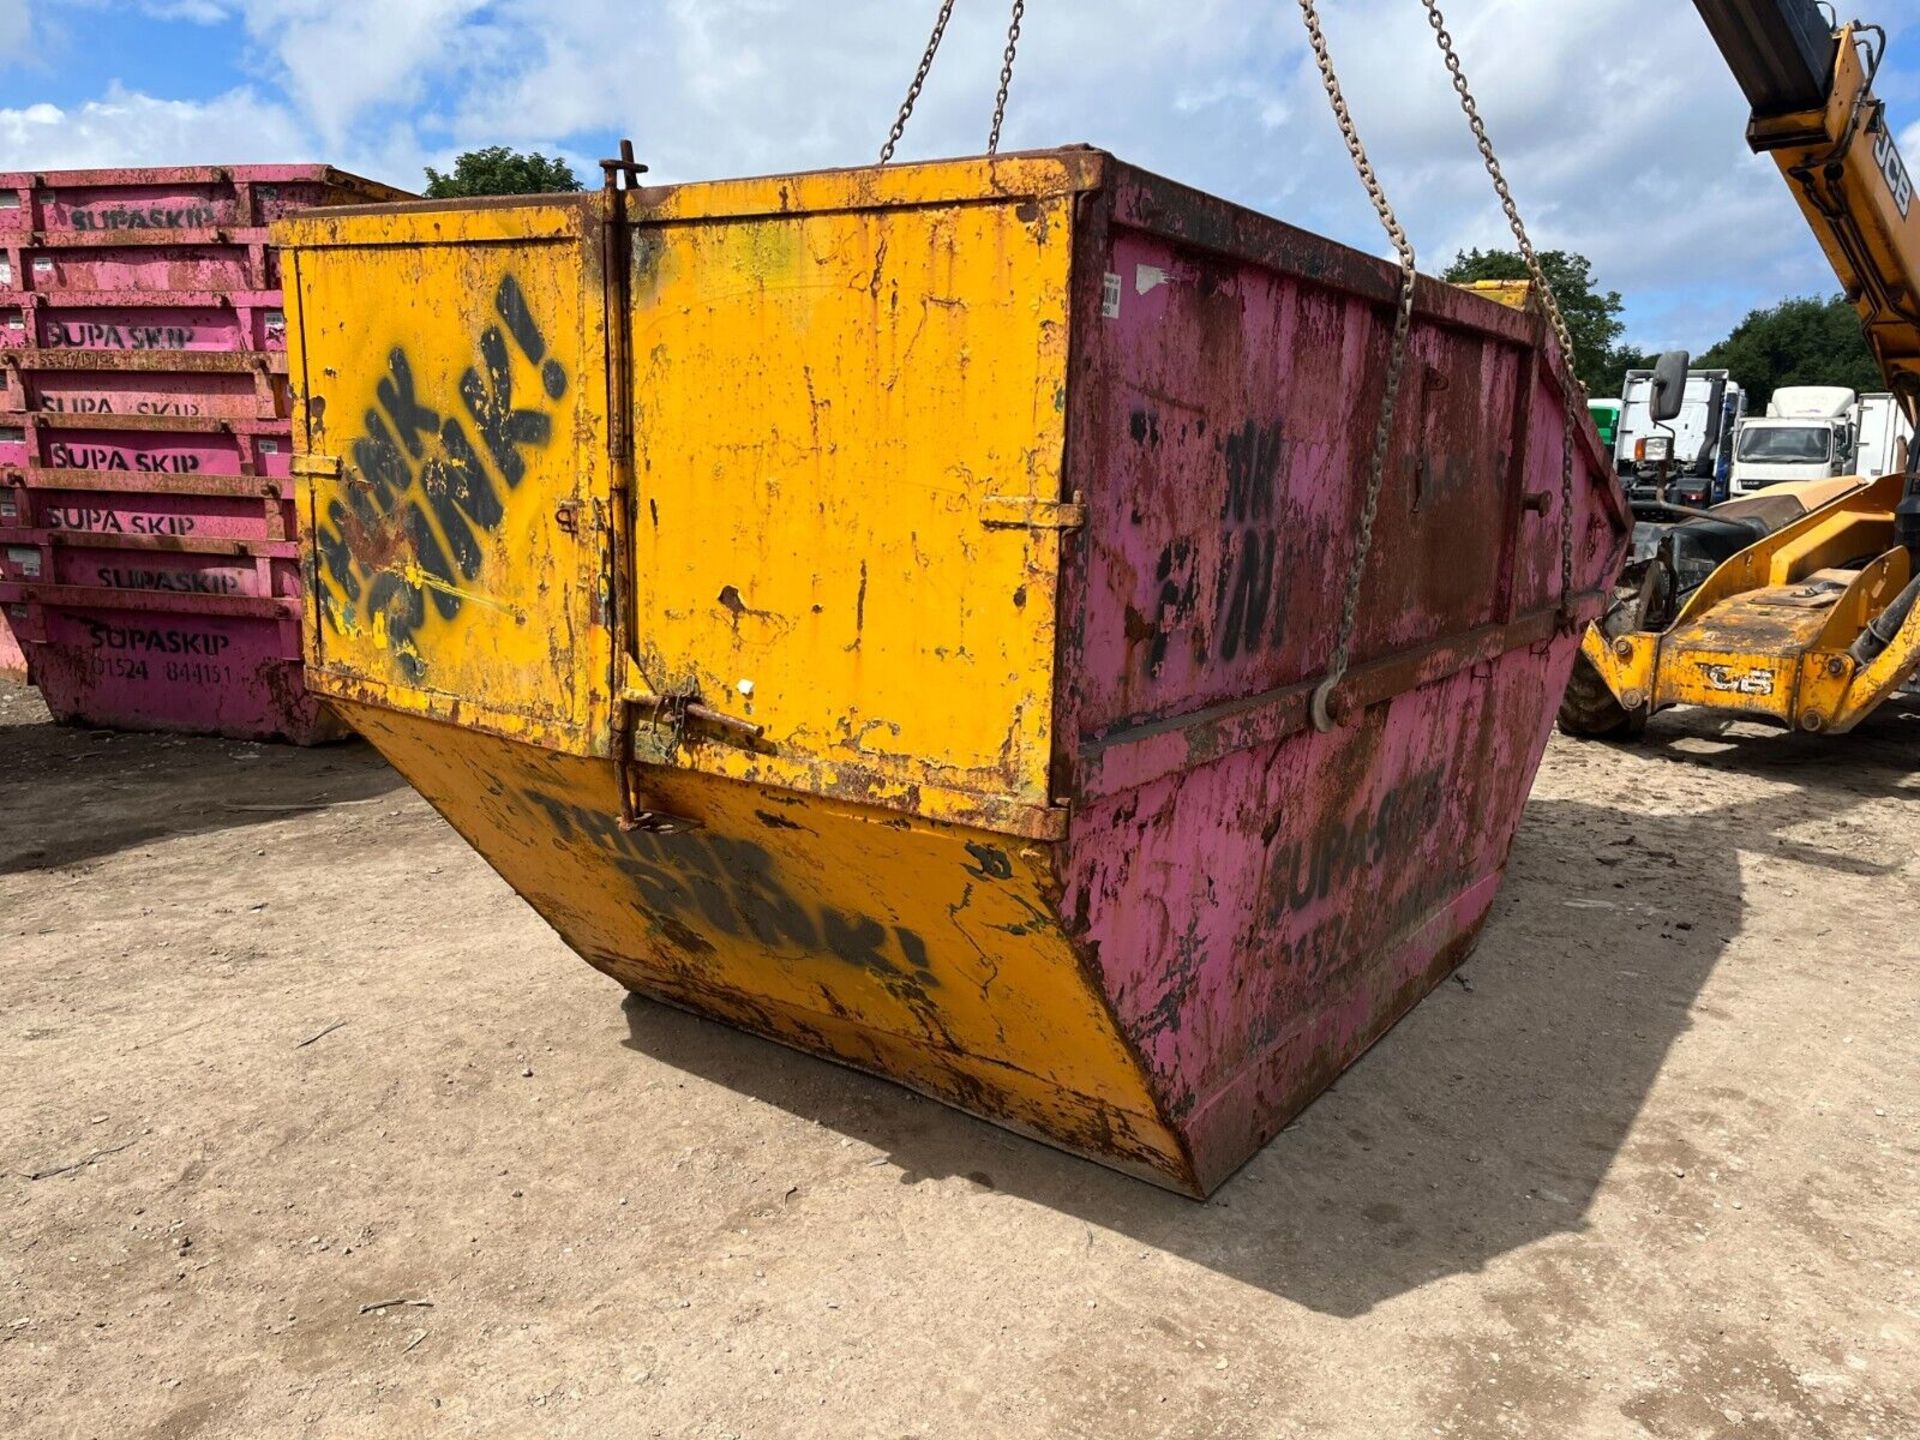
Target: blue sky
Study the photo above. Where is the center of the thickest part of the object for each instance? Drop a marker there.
(1620, 127)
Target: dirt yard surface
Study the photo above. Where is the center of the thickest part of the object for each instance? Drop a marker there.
(278, 1047)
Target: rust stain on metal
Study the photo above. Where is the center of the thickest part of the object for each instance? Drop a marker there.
(947, 715)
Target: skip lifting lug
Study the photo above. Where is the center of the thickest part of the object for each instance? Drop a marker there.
(623, 173)
(673, 714)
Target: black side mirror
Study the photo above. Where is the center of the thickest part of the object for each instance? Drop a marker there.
(1669, 386)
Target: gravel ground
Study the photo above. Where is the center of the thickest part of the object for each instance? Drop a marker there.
(279, 1047)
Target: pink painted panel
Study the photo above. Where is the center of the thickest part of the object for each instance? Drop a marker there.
(1253, 918)
(13, 659)
(182, 198)
(160, 327)
(1262, 901)
(206, 674)
(151, 268)
(161, 452)
(171, 572)
(205, 395)
(137, 512)
(1231, 394)
(118, 270)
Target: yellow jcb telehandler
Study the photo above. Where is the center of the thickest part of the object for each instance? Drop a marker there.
(1794, 603)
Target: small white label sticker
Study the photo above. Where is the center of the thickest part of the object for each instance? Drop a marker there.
(9, 200)
(269, 447)
(1110, 296)
(25, 559)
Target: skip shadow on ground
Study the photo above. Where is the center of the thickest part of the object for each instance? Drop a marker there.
(1489, 1118)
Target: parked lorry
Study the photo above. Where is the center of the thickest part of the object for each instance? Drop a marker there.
(1820, 432)
(1686, 462)
(1606, 419)
(1882, 437)
(1807, 434)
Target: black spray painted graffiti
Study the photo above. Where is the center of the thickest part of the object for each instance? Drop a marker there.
(1246, 619)
(1306, 869)
(420, 473)
(694, 884)
(1376, 854)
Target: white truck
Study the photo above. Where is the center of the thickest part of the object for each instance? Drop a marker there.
(1882, 436)
(1807, 434)
(1690, 457)
(1819, 432)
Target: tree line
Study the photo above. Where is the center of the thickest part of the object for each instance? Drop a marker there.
(1806, 341)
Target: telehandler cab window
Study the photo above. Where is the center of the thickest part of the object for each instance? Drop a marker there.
(1798, 442)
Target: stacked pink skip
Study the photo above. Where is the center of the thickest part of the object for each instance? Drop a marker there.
(148, 552)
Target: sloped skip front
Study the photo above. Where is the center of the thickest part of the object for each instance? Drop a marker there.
(930, 689)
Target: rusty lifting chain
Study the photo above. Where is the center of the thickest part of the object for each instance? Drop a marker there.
(1324, 717)
(1575, 391)
(1323, 708)
(919, 81)
(926, 68)
(1006, 76)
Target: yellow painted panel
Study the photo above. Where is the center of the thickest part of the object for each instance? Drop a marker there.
(1047, 175)
(1514, 294)
(827, 405)
(451, 366)
(928, 953)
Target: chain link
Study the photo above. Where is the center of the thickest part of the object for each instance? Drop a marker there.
(919, 82)
(1006, 76)
(1323, 718)
(1575, 391)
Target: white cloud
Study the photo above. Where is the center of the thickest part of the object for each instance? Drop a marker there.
(196, 12)
(16, 30)
(342, 59)
(1619, 126)
(127, 128)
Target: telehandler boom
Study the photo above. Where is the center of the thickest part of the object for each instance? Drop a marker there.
(1795, 604)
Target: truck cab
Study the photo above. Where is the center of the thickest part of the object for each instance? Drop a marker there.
(1808, 433)
(1606, 419)
(1686, 461)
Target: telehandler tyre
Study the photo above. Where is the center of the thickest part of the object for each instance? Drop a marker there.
(1589, 710)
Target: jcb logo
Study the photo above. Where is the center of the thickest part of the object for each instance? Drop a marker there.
(1756, 681)
(1886, 154)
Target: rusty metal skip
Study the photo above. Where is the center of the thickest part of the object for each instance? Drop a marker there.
(882, 609)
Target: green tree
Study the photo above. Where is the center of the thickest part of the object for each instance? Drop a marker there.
(1592, 315)
(497, 170)
(1808, 341)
